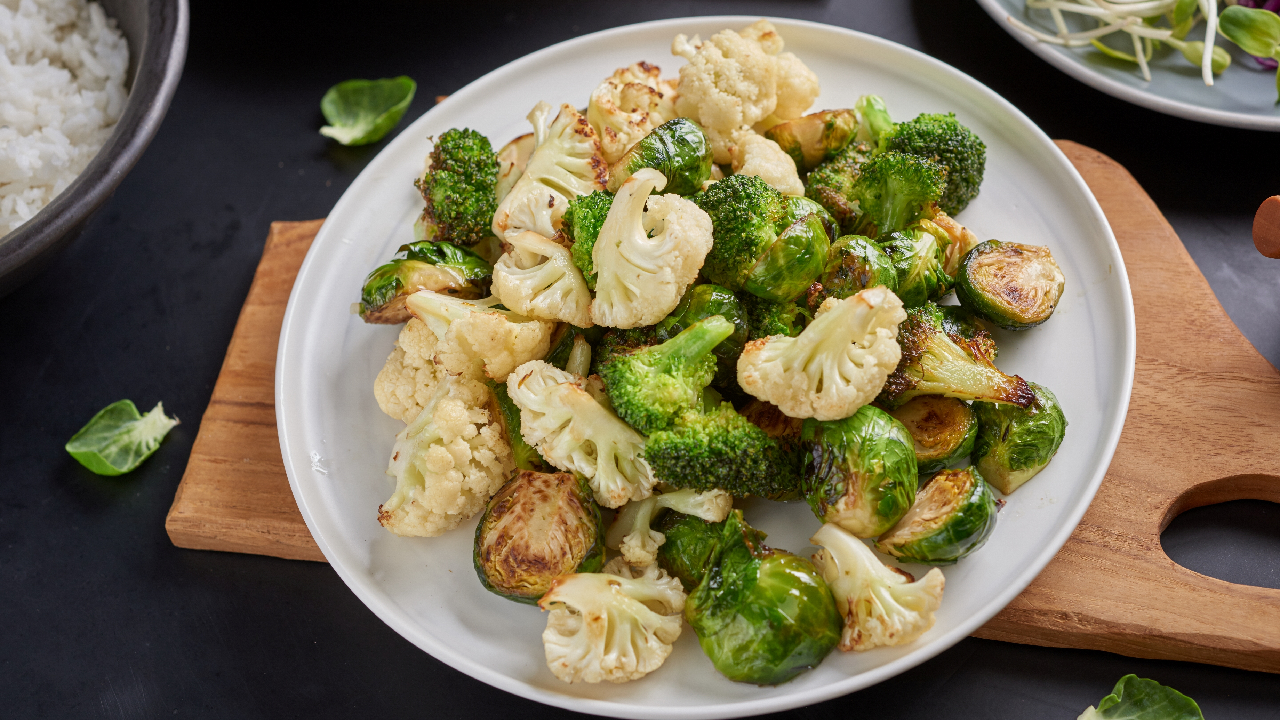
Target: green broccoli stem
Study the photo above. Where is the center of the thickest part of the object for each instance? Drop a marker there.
(692, 344)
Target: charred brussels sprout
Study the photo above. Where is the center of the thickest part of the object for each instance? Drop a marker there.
(525, 457)
(861, 471)
(1016, 443)
(677, 148)
(436, 266)
(831, 183)
(762, 615)
(854, 264)
(691, 542)
(815, 138)
(943, 429)
(960, 323)
(953, 515)
(944, 140)
(701, 302)
(539, 526)
(1011, 285)
(918, 259)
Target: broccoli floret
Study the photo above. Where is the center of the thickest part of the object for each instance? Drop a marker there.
(650, 387)
(766, 317)
(459, 188)
(745, 217)
(831, 183)
(942, 139)
(894, 191)
(722, 449)
(620, 341)
(582, 222)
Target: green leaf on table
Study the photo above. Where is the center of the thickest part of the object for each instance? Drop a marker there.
(1255, 30)
(118, 439)
(364, 111)
(1136, 698)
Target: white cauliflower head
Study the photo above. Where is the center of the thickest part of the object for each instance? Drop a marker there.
(566, 162)
(574, 432)
(639, 543)
(628, 105)
(537, 278)
(611, 627)
(836, 365)
(473, 338)
(881, 605)
(797, 88)
(645, 259)
(407, 380)
(758, 155)
(448, 462)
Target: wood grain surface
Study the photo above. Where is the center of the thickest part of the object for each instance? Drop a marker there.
(1201, 429)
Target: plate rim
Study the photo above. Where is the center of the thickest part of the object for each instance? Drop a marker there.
(1143, 98)
(399, 620)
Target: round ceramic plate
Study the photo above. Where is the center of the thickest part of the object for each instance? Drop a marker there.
(336, 442)
(1244, 96)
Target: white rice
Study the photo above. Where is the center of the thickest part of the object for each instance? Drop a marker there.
(62, 75)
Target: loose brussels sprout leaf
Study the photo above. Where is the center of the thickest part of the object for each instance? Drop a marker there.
(1136, 698)
(853, 264)
(701, 302)
(815, 138)
(463, 261)
(1013, 285)
(360, 112)
(943, 429)
(918, 259)
(677, 148)
(873, 118)
(118, 439)
(537, 527)
(436, 266)
(961, 325)
(525, 457)
(1014, 443)
(762, 615)
(690, 544)
(791, 264)
(860, 472)
(953, 515)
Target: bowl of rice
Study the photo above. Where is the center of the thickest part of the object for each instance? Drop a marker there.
(83, 88)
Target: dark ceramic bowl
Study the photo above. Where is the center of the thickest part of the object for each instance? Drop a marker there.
(156, 31)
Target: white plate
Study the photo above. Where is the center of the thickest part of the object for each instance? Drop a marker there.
(1244, 96)
(336, 442)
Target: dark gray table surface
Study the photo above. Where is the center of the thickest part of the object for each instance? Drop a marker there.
(101, 617)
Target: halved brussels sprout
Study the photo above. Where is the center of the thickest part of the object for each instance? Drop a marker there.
(815, 138)
(699, 303)
(943, 429)
(918, 259)
(539, 526)
(799, 255)
(1013, 285)
(853, 264)
(1015, 443)
(436, 266)
(860, 472)
(677, 148)
(960, 323)
(762, 615)
(953, 515)
(691, 542)
(524, 455)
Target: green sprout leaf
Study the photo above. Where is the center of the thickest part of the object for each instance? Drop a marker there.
(1256, 31)
(364, 111)
(1184, 10)
(1136, 698)
(118, 439)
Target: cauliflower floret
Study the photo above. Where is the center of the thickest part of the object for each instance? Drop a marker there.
(797, 88)
(448, 462)
(836, 365)
(758, 155)
(644, 259)
(614, 627)
(574, 432)
(566, 162)
(406, 381)
(881, 606)
(473, 338)
(639, 543)
(537, 278)
(628, 105)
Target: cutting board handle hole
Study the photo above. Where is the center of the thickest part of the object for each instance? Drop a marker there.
(1228, 529)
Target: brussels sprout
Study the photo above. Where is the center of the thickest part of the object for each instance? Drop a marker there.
(943, 428)
(690, 544)
(853, 264)
(960, 323)
(1015, 443)
(953, 515)
(539, 526)
(861, 471)
(1012, 285)
(677, 148)
(918, 259)
(699, 303)
(762, 615)
(799, 255)
(525, 457)
(437, 266)
(815, 138)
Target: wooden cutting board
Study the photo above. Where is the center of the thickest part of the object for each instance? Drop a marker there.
(1203, 428)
